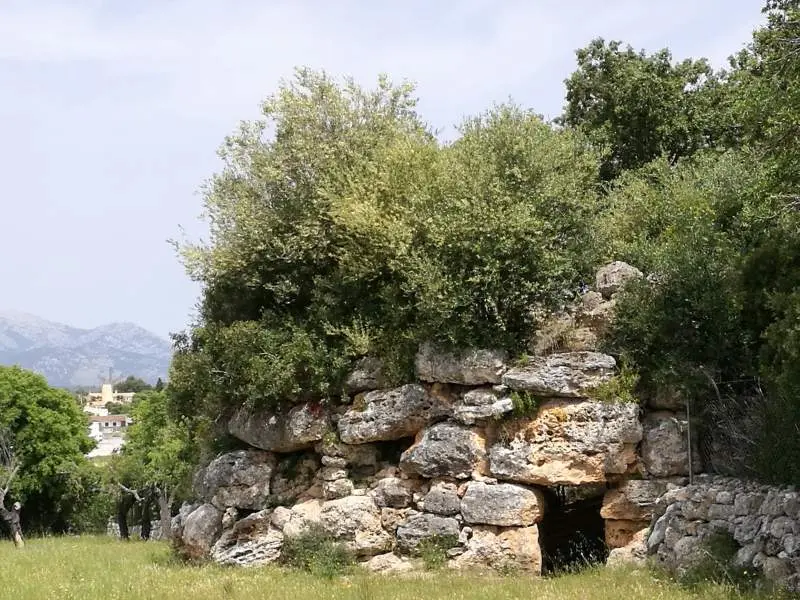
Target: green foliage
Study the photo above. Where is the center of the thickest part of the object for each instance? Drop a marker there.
(433, 550)
(318, 553)
(526, 404)
(133, 384)
(51, 438)
(639, 107)
(348, 230)
(620, 388)
(716, 565)
(159, 451)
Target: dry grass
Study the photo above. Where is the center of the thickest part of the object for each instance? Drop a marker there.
(105, 569)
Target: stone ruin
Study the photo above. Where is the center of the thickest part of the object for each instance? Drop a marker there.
(448, 458)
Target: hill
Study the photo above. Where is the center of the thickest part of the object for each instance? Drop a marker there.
(69, 356)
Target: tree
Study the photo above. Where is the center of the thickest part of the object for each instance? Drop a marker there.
(156, 461)
(50, 436)
(9, 467)
(133, 384)
(637, 106)
(341, 228)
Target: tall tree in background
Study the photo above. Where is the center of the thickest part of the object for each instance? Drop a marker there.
(51, 439)
(156, 460)
(9, 467)
(637, 107)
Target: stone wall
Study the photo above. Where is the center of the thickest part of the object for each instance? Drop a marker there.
(446, 457)
(763, 521)
(135, 531)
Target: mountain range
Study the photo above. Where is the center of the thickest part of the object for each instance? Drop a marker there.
(70, 357)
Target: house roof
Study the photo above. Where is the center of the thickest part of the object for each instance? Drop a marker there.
(96, 418)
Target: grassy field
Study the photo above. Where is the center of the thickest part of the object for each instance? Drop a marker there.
(101, 568)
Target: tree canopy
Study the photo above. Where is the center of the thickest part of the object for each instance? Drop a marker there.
(50, 437)
(341, 228)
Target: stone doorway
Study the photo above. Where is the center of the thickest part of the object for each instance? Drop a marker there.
(572, 533)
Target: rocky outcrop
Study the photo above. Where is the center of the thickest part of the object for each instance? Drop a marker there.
(200, 530)
(482, 404)
(252, 541)
(567, 375)
(446, 450)
(762, 521)
(502, 504)
(612, 277)
(442, 499)
(502, 549)
(295, 477)
(238, 479)
(281, 431)
(356, 521)
(665, 448)
(568, 443)
(368, 375)
(469, 367)
(422, 526)
(388, 415)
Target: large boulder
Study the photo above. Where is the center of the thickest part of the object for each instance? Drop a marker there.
(567, 374)
(200, 530)
(612, 277)
(481, 404)
(568, 443)
(422, 526)
(442, 499)
(468, 367)
(635, 499)
(299, 519)
(633, 554)
(294, 477)
(393, 492)
(665, 448)
(239, 479)
(356, 521)
(368, 375)
(502, 549)
(252, 541)
(390, 563)
(446, 450)
(283, 430)
(502, 504)
(388, 415)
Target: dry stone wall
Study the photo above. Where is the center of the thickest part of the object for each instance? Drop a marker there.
(762, 521)
(445, 458)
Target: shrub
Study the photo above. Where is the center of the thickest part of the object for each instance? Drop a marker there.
(620, 388)
(340, 227)
(318, 553)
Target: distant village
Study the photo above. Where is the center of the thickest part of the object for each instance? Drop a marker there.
(108, 430)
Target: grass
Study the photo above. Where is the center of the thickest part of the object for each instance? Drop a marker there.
(99, 567)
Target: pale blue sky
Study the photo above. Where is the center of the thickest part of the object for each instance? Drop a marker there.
(111, 112)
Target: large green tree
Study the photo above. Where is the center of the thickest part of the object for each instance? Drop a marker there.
(637, 107)
(50, 440)
(159, 454)
(341, 227)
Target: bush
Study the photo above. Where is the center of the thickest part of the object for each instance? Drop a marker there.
(345, 229)
(318, 553)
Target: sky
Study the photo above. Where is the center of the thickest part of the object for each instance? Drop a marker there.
(111, 112)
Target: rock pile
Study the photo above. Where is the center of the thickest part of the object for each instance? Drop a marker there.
(451, 457)
(762, 521)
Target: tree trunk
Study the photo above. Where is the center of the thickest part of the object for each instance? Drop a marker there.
(123, 506)
(147, 516)
(12, 521)
(165, 514)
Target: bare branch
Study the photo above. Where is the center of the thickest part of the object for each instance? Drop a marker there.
(130, 491)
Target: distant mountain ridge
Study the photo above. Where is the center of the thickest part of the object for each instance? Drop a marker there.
(70, 356)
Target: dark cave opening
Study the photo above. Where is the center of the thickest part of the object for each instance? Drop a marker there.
(572, 533)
